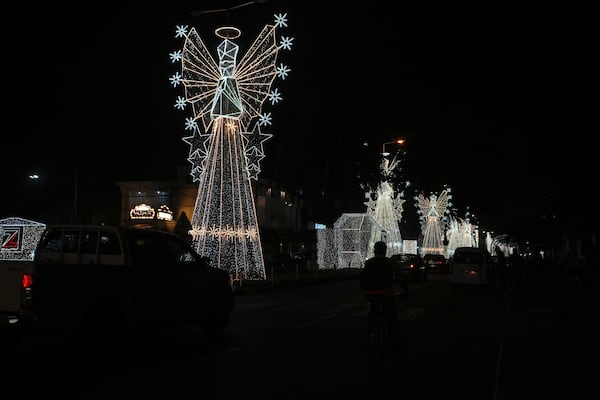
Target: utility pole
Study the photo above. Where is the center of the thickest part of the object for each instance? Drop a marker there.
(74, 216)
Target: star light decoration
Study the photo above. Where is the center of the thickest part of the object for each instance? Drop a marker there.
(226, 139)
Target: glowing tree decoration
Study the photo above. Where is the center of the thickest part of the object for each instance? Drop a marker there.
(385, 202)
(431, 212)
(227, 146)
(385, 205)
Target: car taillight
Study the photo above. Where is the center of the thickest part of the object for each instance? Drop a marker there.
(411, 266)
(26, 281)
(26, 284)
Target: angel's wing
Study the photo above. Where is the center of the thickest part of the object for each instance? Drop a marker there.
(200, 76)
(255, 73)
(442, 203)
(424, 205)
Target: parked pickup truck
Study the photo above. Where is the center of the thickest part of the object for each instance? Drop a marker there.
(103, 276)
(18, 240)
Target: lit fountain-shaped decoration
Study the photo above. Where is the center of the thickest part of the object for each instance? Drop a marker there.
(227, 99)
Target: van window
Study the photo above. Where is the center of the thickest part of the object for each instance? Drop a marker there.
(59, 241)
(109, 244)
(85, 242)
(89, 240)
(70, 243)
(52, 242)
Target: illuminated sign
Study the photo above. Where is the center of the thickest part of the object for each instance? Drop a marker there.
(164, 213)
(142, 211)
(11, 237)
(19, 238)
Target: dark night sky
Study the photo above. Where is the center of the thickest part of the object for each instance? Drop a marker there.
(493, 100)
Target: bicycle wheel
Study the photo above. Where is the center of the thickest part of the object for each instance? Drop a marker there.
(378, 345)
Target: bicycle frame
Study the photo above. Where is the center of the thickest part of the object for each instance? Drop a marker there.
(378, 340)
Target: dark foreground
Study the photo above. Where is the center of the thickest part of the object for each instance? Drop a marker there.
(306, 340)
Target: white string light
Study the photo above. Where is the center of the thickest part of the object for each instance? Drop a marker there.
(227, 144)
(432, 210)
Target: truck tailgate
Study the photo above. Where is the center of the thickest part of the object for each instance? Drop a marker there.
(11, 275)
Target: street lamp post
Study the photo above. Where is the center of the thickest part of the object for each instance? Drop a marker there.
(35, 177)
(383, 152)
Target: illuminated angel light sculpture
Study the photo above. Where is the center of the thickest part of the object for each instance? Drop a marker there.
(386, 206)
(227, 146)
(431, 211)
(468, 232)
(460, 233)
(452, 234)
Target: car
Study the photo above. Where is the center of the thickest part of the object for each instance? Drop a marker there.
(301, 260)
(126, 276)
(436, 262)
(472, 266)
(411, 265)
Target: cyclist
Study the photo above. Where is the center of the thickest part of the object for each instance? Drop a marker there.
(376, 280)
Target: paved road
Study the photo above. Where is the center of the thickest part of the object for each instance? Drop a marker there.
(307, 342)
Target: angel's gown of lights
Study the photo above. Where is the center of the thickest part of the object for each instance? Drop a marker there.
(224, 222)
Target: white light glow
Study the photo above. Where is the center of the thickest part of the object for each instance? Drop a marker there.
(460, 233)
(386, 209)
(164, 213)
(227, 144)
(349, 243)
(432, 210)
(19, 238)
(142, 211)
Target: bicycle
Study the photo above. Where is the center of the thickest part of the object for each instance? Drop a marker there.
(378, 339)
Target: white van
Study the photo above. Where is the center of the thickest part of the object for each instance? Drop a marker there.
(472, 266)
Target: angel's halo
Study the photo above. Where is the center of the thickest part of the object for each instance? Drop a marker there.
(228, 32)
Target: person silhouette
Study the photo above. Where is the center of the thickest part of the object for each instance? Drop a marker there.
(376, 279)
